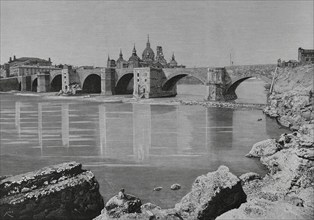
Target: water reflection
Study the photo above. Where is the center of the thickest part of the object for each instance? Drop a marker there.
(65, 124)
(137, 134)
(40, 128)
(18, 117)
(128, 132)
(141, 132)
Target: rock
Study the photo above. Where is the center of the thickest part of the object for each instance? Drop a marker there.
(247, 177)
(284, 121)
(306, 153)
(212, 195)
(149, 206)
(117, 206)
(265, 209)
(157, 188)
(306, 140)
(26, 196)
(306, 115)
(175, 186)
(264, 148)
(290, 169)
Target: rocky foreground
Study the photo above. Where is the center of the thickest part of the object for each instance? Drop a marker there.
(63, 191)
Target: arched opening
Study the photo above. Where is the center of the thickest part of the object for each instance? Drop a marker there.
(20, 87)
(188, 86)
(248, 90)
(92, 84)
(181, 79)
(56, 83)
(125, 84)
(34, 85)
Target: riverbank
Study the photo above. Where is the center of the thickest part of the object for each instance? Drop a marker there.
(287, 191)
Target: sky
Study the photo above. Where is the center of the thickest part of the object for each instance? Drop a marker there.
(199, 33)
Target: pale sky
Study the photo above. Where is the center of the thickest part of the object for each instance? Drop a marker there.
(200, 33)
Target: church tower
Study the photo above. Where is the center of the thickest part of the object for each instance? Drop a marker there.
(121, 63)
(148, 55)
(134, 60)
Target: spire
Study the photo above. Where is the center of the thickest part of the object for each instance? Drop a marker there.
(134, 50)
(173, 58)
(120, 55)
(148, 43)
(108, 58)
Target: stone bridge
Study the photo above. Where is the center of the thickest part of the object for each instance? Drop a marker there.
(147, 82)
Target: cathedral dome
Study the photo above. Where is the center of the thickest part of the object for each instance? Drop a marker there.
(148, 54)
(173, 62)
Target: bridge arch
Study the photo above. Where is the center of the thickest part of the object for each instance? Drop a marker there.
(92, 84)
(230, 93)
(124, 85)
(172, 80)
(34, 85)
(56, 83)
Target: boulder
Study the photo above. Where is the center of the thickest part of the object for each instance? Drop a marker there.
(247, 177)
(264, 148)
(291, 169)
(175, 186)
(212, 195)
(265, 209)
(63, 191)
(119, 205)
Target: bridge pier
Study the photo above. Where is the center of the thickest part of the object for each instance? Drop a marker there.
(43, 80)
(216, 86)
(108, 81)
(26, 83)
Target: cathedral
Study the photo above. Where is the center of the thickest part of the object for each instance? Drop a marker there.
(148, 59)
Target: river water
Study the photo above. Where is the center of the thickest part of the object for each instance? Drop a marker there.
(132, 146)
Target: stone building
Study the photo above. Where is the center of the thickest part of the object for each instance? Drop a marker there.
(148, 59)
(305, 56)
(26, 66)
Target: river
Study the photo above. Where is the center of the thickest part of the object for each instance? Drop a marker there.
(132, 146)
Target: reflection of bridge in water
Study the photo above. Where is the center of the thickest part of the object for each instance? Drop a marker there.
(125, 133)
(138, 133)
